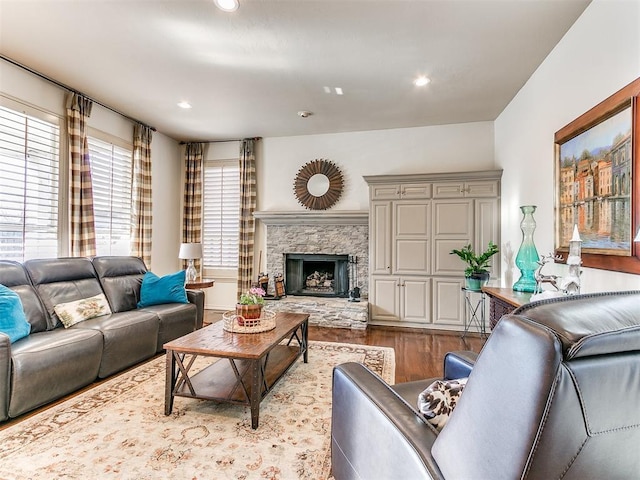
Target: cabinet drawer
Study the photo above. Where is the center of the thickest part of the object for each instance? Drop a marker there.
(402, 190)
(448, 190)
(481, 189)
(415, 190)
(384, 192)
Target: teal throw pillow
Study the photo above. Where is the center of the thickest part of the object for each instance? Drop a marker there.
(13, 321)
(156, 290)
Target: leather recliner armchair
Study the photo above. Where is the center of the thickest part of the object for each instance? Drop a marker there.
(554, 394)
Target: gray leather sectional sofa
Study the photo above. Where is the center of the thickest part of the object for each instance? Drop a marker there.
(54, 361)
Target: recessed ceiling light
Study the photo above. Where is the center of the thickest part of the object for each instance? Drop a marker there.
(184, 104)
(421, 81)
(338, 91)
(327, 89)
(227, 5)
(304, 113)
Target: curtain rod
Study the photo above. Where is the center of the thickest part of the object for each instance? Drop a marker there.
(73, 90)
(222, 141)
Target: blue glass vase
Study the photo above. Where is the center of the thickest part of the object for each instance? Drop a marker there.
(527, 257)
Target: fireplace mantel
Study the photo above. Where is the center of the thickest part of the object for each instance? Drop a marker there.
(337, 217)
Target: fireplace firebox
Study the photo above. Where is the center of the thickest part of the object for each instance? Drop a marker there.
(319, 275)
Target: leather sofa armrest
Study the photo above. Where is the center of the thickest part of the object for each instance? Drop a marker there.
(5, 379)
(459, 364)
(197, 298)
(374, 432)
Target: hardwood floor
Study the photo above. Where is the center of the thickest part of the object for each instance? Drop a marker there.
(419, 353)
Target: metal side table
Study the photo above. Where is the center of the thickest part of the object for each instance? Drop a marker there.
(474, 311)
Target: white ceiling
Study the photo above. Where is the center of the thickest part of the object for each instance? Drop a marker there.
(248, 73)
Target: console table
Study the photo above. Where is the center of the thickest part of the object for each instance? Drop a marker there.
(503, 301)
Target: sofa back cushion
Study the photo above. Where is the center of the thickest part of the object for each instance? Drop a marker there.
(14, 276)
(121, 278)
(62, 280)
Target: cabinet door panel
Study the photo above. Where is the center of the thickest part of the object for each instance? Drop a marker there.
(452, 228)
(411, 219)
(411, 246)
(411, 257)
(448, 307)
(416, 300)
(443, 262)
(385, 298)
(452, 218)
(380, 233)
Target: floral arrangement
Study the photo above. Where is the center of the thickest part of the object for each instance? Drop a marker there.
(253, 297)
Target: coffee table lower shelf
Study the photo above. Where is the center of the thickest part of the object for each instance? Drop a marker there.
(218, 382)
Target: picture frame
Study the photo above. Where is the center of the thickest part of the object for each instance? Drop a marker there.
(597, 182)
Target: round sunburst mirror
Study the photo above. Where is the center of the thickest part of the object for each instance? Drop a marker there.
(318, 184)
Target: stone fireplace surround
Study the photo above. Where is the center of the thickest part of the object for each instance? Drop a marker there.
(329, 232)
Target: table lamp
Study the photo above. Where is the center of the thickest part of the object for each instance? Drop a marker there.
(190, 251)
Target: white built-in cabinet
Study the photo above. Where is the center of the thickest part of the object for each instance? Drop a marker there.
(414, 222)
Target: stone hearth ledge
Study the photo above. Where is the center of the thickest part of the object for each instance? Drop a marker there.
(325, 312)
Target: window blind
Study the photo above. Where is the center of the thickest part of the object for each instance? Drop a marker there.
(111, 168)
(221, 212)
(29, 159)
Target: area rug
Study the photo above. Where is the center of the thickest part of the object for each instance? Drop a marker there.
(118, 429)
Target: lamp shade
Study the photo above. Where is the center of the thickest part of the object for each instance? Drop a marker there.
(637, 239)
(189, 251)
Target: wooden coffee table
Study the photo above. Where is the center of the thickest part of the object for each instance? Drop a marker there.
(256, 362)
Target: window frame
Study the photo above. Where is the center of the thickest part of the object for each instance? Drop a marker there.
(219, 272)
(120, 143)
(25, 108)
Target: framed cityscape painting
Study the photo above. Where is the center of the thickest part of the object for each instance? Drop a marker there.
(597, 183)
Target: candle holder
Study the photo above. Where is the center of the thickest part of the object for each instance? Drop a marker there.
(571, 282)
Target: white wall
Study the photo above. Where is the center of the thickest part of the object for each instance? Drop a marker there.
(599, 55)
(443, 148)
(166, 172)
(27, 88)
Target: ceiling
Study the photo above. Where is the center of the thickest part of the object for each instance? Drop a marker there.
(249, 72)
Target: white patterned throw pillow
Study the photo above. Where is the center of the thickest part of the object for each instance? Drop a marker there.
(439, 399)
(71, 313)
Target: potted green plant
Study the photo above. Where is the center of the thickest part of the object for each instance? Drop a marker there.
(476, 274)
(249, 307)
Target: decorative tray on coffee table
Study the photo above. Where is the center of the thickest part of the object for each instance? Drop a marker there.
(238, 324)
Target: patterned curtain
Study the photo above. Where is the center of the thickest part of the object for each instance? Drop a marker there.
(247, 207)
(141, 221)
(192, 215)
(82, 229)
